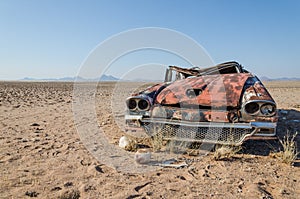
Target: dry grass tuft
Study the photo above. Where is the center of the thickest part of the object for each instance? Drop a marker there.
(177, 146)
(225, 152)
(193, 150)
(157, 141)
(132, 146)
(289, 153)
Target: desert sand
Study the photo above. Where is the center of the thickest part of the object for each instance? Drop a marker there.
(42, 155)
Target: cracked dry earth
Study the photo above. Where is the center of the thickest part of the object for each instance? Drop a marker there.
(42, 155)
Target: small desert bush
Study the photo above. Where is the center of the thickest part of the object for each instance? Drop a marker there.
(289, 153)
(157, 141)
(177, 146)
(194, 149)
(132, 146)
(225, 152)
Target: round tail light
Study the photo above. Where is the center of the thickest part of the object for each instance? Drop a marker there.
(132, 104)
(252, 108)
(143, 104)
(267, 109)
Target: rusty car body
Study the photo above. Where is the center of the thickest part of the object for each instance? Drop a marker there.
(223, 104)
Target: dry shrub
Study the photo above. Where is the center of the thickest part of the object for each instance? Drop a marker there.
(177, 146)
(289, 153)
(132, 145)
(194, 149)
(157, 141)
(225, 152)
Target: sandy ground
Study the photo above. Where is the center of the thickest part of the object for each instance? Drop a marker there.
(42, 155)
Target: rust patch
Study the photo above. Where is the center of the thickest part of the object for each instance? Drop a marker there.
(265, 119)
(219, 90)
(257, 92)
(192, 114)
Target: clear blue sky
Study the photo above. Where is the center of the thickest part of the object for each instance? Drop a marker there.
(52, 38)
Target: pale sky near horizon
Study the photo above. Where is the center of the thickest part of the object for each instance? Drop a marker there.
(52, 38)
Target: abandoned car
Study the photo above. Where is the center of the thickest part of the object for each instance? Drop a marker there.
(223, 104)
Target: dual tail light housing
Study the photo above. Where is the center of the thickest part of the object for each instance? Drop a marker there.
(260, 108)
(139, 103)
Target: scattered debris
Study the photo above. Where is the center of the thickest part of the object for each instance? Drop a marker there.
(68, 184)
(133, 196)
(35, 124)
(123, 142)
(142, 156)
(127, 143)
(266, 194)
(173, 164)
(56, 189)
(181, 177)
(99, 169)
(85, 163)
(31, 193)
(138, 188)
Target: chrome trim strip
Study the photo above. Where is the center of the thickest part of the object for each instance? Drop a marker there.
(264, 134)
(265, 125)
(133, 117)
(197, 124)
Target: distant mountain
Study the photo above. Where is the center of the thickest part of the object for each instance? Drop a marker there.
(264, 78)
(288, 79)
(112, 78)
(71, 79)
(108, 78)
(142, 80)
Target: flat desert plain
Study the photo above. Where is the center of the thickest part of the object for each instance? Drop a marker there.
(42, 155)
